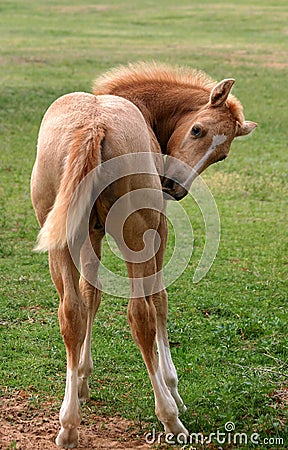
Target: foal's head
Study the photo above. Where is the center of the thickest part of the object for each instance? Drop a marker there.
(202, 138)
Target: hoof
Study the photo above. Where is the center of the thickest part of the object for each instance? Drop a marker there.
(177, 428)
(67, 438)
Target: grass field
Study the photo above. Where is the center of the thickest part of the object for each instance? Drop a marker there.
(230, 330)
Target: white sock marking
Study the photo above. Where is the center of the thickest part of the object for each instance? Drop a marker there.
(70, 409)
(169, 372)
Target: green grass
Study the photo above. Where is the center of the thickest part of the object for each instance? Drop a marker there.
(230, 330)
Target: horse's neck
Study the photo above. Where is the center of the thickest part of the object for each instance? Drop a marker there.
(163, 109)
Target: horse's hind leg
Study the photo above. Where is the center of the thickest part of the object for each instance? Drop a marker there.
(91, 292)
(72, 318)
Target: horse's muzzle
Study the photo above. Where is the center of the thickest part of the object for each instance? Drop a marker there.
(173, 190)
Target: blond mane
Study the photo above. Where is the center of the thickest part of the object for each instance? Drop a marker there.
(142, 72)
(139, 73)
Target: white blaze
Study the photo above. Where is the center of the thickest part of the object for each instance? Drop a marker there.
(218, 139)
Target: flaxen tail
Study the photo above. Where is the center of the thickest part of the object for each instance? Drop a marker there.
(84, 156)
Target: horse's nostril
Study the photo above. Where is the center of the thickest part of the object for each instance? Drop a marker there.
(167, 183)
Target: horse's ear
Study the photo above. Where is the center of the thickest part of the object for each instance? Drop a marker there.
(220, 92)
(246, 128)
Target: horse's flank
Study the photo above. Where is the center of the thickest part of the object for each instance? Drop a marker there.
(70, 144)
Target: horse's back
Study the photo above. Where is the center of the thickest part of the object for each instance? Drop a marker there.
(120, 118)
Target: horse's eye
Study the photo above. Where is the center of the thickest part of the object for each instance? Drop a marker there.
(221, 158)
(196, 130)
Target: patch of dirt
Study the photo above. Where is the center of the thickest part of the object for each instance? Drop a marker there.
(281, 396)
(27, 427)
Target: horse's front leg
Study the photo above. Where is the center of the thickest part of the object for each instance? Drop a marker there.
(72, 318)
(143, 324)
(92, 297)
(166, 363)
(160, 301)
(91, 291)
